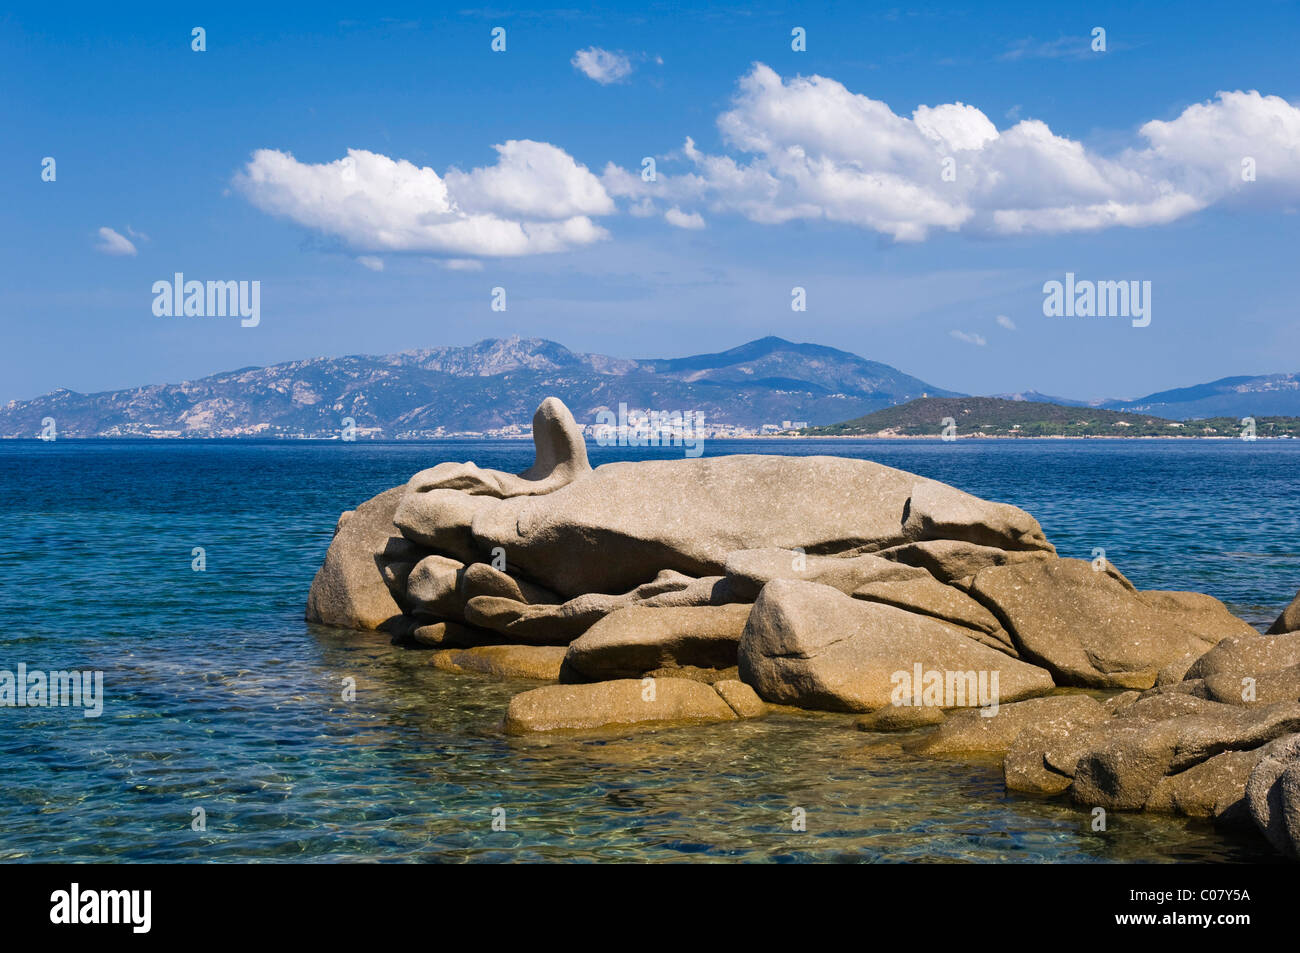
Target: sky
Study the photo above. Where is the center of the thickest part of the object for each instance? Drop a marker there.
(921, 172)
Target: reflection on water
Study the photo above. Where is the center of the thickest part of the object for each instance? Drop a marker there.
(219, 697)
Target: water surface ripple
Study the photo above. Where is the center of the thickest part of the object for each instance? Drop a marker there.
(219, 696)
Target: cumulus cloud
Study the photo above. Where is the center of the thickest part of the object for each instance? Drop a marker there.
(809, 148)
(675, 216)
(1005, 322)
(602, 65)
(801, 148)
(371, 262)
(114, 243)
(535, 199)
(976, 339)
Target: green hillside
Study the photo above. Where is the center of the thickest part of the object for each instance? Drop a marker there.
(995, 417)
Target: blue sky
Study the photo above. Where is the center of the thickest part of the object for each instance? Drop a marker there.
(157, 142)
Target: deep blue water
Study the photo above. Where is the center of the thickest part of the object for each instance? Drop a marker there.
(219, 696)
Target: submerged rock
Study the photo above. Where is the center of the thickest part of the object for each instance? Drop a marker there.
(624, 703)
(505, 661)
(900, 718)
(977, 731)
(442, 635)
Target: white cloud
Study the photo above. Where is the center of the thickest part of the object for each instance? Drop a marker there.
(603, 66)
(675, 216)
(1005, 322)
(371, 262)
(461, 264)
(803, 148)
(114, 243)
(976, 339)
(808, 148)
(536, 199)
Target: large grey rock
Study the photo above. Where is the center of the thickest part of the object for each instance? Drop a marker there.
(812, 646)
(937, 511)
(976, 732)
(1124, 769)
(544, 623)
(925, 595)
(620, 524)
(452, 635)
(434, 588)
(349, 588)
(540, 624)
(1230, 688)
(635, 640)
(1090, 629)
(955, 562)
(480, 579)
(621, 704)
(1289, 620)
(742, 699)
(748, 570)
(1043, 758)
(440, 520)
(1204, 616)
(1250, 654)
(1273, 794)
(1215, 788)
(1162, 705)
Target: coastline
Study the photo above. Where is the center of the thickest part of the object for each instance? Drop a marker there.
(527, 438)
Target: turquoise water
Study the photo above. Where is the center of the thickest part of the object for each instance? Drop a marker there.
(219, 696)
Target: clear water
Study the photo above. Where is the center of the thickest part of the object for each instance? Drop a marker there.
(220, 697)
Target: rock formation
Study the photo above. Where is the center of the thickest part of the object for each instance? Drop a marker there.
(712, 589)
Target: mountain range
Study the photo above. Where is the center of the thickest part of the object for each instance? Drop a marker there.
(494, 386)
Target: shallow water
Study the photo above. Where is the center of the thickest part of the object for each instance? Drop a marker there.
(219, 696)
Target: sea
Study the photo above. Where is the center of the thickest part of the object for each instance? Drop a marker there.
(234, 731)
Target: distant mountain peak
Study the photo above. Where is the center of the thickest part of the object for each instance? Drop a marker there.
(459, 389)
